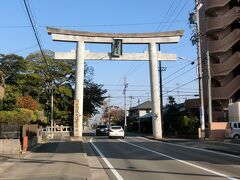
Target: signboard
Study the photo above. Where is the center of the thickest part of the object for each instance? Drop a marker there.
(76, 118)
(116, 48)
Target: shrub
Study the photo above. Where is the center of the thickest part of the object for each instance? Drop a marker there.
(27, 102)
(12, 117)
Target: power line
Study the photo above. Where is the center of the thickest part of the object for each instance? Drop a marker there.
(24, 49)
(96, 25)
(165, 16)
(177, 14)
(177, 5)
(33, 25)
(182, 85)
(179, 75)
(177, 71)
(111, 25)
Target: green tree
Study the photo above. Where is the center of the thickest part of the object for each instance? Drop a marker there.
(34, 77)
(171, 118)
(9, 102)
(60, 75)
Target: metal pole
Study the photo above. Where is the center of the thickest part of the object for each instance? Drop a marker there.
(160, 81)
(52, 110)
(209, 91)
(139, 121)
(125, 100)
(109, 111)
(202, 118)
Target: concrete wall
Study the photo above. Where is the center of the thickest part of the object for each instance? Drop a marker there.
(10, 146)
(217, 131)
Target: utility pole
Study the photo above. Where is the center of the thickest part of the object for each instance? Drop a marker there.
(177, 84)
(139, 120)
(209, 91)
(160, 82)
(125, 100)
(52, 110)
(131, 98)
(202, 118)
(109, 111)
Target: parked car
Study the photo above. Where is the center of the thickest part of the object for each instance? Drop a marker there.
(102, 130)
(116, 131)
(233, 130)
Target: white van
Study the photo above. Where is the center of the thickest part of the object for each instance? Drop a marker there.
(233, 130)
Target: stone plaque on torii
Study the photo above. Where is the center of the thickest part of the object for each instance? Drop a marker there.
(151, 39)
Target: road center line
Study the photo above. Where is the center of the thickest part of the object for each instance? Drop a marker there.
(182, 161)
(117, 175)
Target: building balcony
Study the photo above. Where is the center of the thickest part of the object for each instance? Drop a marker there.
(221, 22)
(227, 91)
(214, 4)
(223, 69)
(226, 43)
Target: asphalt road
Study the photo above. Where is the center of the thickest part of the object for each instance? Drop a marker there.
(53, 160)
(141, 158)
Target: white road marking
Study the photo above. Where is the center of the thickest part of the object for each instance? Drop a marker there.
(117, 175)
(199, 149)
(182, 161)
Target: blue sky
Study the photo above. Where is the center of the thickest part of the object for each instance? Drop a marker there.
(16, 36)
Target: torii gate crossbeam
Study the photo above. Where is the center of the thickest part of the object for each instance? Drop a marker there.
(152, 39)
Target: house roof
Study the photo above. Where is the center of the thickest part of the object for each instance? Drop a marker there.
(145, 105)
(147, 115)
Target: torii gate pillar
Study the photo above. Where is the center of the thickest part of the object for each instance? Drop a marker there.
(155, 95)
(78, 100)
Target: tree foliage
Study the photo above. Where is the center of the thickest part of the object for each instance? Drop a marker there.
(27, 102)
(11, 117)
(171, 117)
(30, 83)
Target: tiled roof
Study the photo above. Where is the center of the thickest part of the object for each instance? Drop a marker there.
(145, 105)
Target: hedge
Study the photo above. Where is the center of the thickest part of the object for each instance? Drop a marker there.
(12, 117)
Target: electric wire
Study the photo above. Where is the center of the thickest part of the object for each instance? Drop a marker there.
(185, 72)
(182, 85)
(24, 49)
(177, 15)
(165, 16)
(33, 25)
(174, 10)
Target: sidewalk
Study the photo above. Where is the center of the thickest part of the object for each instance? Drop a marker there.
(221, 146)
(52, 156)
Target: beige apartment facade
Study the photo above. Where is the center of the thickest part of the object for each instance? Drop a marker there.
(220, 42)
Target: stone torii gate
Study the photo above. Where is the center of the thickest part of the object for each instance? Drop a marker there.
(153, 55)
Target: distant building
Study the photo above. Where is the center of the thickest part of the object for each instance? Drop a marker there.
(140, 110)
(220, 36)
(143, 113)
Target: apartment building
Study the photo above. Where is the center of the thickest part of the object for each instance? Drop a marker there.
(220, 38)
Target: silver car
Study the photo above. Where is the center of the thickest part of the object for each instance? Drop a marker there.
(233, 130)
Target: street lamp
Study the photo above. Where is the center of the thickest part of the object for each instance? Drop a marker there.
(187, 59)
